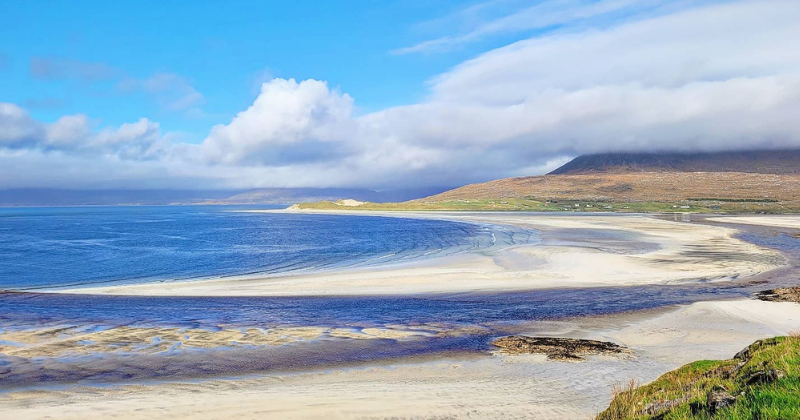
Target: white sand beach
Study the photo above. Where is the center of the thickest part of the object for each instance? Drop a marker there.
(474, 387)
(669, 252)
(785, 221)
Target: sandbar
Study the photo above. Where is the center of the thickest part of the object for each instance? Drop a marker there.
(656, 252)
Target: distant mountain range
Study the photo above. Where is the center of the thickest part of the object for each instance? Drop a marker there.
(761, 162)
(43, 197)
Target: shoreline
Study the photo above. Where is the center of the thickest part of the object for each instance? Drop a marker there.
(674, 252)
(450, 385)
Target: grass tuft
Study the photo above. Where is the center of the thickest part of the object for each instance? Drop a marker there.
(764, 379)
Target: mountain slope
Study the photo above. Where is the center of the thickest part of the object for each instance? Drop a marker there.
(764, 162)
(746, 182)
(766, 181)
(633, 187)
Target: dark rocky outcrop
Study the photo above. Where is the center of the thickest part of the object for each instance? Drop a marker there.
(565, 349)
(764, 376)
(719, 398)
(661, 407)
(784, 294)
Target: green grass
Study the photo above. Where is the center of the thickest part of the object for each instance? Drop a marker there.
(736, 200)
(532, 204)
(689, 386)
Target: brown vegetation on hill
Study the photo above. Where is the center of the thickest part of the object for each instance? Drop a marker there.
(635, 187)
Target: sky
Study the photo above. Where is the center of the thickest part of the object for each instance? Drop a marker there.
(381, 94)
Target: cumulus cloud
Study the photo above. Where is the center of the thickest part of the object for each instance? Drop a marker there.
(714, 77)
(141, 140)
(16, 126)
(289, 122)
(68, 131)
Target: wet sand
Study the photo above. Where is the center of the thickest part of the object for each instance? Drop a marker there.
(74, 341)
(490, 386)
(642, 250)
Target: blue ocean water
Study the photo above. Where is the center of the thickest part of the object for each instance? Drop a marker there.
(82, 246)
(42, 249)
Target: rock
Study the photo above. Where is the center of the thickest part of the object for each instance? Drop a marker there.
(744, 355)
(662, 407)
(565, 349)
(719, 398)
(783, 294)
(764, 376)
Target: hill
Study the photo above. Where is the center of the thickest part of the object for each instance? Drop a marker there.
(761, 181)
(762, 162)
(636, 187)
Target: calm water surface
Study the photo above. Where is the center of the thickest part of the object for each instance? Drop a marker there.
(59, 247)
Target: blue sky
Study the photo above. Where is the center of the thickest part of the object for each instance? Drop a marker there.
(381, 94)
(222, 50)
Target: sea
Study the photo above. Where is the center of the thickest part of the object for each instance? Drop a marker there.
(52, 248)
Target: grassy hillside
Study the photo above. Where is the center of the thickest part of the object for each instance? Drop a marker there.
(692, 206)
(724, 182)
(761, 382)
(637, 187)
(732, 192)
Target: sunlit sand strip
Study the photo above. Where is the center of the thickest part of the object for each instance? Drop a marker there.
(792, 222)
(673, 252)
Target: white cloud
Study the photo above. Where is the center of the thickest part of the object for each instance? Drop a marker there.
(74, 134)
(16, 126)
(68, 131)
(141, 140)
(288, 122)
(746, 39)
